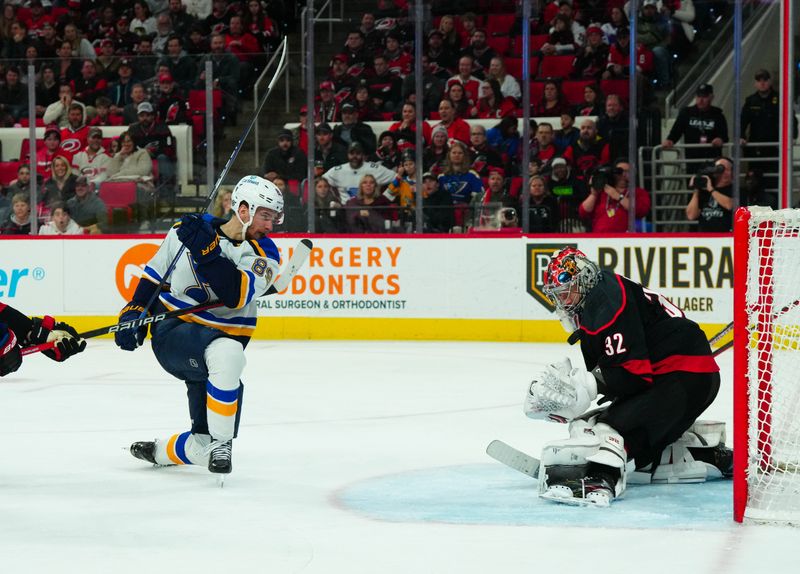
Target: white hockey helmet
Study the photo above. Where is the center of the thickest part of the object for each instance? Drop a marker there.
(257, 192)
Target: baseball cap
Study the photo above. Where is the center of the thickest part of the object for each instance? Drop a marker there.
(428, 175)
(355, 146)
(340, 57)
(303, 109)
(762, 74)
(324, 127)
(125, 62)
(326, 85)
(558, 161)
(285, 133)
(650, 3)
(410, 154)
(52, 130)
(594, 29)
(95, 130)
(705, 90)
(106, 42)
(348, 107)
(165, 78)
(498, 169)
(145, 107)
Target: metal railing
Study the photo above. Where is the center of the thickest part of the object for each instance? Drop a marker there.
(272, 77)
(330, 20)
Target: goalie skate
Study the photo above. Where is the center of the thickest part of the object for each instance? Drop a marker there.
(589, 491)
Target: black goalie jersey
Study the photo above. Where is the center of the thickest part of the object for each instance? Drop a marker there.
(635, 335)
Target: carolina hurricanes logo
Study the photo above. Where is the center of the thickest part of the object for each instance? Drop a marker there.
(71, 145)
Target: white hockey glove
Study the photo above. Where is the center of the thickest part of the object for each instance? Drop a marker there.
(560, 393)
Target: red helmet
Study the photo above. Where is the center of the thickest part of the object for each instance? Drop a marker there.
(569, 272)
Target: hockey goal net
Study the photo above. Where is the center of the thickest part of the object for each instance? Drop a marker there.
(767, 365)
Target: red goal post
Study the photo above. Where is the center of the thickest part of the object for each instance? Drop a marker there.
(767, 365)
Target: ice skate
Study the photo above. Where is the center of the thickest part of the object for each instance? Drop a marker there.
(589, 491)
(144, 450)
(219, 458)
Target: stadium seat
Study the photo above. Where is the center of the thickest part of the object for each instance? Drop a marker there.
(514, 67)
(516, 186)
(556, 66)
(499, 24)
(537, 90)
(23, 149)
(499, 44)
(8, 171)
(573, 90)
(536, 42)
(618, 87)
(24, 123)
(119, 197)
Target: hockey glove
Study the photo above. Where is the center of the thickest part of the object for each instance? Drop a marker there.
(129, 339)
(47, 330)
(199, 238)
(10, 356)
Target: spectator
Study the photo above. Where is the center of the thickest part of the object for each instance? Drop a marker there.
(492, 104)
(373, 38)
(60, 186)
(17, 44)
(711, 204)
(504, 137)
(553, 102)
(619, 59)
(364, 106)
(464, 108)
(437, 206)
(617, 21)
(60, 223)
(88, 87)
(328, 151)
(172, 106)
(119, 91)
(219, 18)
(753, 192)
(300, 133)
(143, 22)
(612, 126)
(432, 88)
(13, 98)
(45, 156)
(568, 134)
(197, 44)
(464, 77)
(591, 59)
(760, 119)
(355, 53)
(592, 104)
(547, 150)
(107, 63)
(245, 47)
(401, 189)
(566, 9)
(570, 193)
(484, 156)
(132, 163)
(653, 33)
(435, 154)
(154, 136)
(442, 60)
(387, 154)
(46, 89)
(457, 129)
(543, 210)
(74, 135)
(680, 14)
(451, 39)
(295, 219)
(509, 86)
(347, 177)
(19, 220)
(87, 209)
(164, 32)
(369, 211)
(399, 62)
(480, 52)
(497, 191)
(58, 112)
(285, 160)
(327, 108)
(605, 209)
(36, 17)
(343, 83)
(81, 47)
(352, 130)
(130, 113)
(181, 66)
(384, 86)
(49, 42)
(468, 26)
(127, 42)
(458, 179)
(701, 123)
(561, 40)
(222, 204)
(225, 69)
(92, 162)
(328, 213)
(588, 152)
(101, 25)
(67, 68)
(144, 64)
(181, 21)
(20, 185)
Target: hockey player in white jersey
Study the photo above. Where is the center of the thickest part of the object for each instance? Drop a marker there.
(233, 262)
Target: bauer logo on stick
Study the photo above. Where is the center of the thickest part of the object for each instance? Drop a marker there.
(538, 257)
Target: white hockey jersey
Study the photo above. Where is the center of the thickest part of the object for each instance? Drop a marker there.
(258, 262)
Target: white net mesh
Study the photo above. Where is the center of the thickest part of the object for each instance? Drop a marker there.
(773, 366)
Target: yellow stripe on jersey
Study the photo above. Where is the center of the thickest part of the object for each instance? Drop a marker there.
(244, 289)
(173, 456)
(224, 409)
(233, 330)
(257, 248)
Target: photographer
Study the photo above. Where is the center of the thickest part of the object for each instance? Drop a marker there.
(711, 202)
(605, 209)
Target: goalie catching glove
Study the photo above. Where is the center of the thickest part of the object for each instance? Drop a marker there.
(560, 393)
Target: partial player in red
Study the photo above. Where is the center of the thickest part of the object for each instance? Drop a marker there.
(18, 331)
(651, 363)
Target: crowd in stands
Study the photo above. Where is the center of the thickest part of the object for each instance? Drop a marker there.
(117, 63)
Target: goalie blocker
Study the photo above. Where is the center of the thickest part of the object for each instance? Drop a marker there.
(649, 361)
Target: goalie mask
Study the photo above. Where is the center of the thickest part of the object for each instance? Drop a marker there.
(257, 192)
(569, 277)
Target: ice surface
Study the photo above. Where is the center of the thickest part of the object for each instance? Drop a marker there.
(352, 457)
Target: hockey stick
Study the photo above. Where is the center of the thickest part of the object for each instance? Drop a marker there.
(228, 165)
(513, 458)
(729, 327)
(296, 261)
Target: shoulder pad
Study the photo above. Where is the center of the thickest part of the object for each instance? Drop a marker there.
(265, 247)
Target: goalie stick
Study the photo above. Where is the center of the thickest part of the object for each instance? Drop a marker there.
(296, 261)
(513, 458)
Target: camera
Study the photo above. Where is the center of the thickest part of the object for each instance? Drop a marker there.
(603, 175)
(701, 179)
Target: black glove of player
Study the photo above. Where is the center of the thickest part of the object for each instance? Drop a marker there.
(129, 339)
(68, 342)
(10, 356)
(199, 238)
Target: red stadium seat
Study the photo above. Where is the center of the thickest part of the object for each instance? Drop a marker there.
(499, 24)
(197, 101)
(119, 196)
(8, 171)
(618, 87)
(514, 67)
(499, 44)
(537, 90)
(556, 66)
(535, 44)
(573, 90)
(516, 186)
